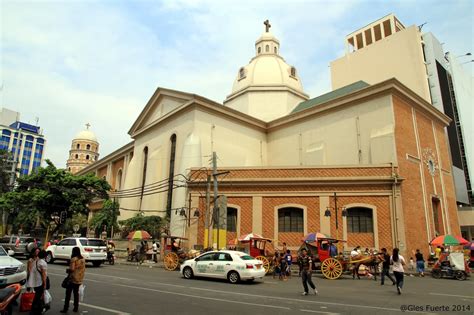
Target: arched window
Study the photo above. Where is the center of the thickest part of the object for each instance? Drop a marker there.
(360, 220)
(77, 156)
(87, 156)
(118, 184)
(171, 174)
(259, 50)
(267, 48)
(78, 146)
(145, 163)
(69, 169)
(88, 147)
(231, 219)
(275, 50)
(293, 71)
(241, 73)
(290, 219)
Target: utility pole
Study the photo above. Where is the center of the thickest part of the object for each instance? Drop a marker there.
(216, 209)
(208, 209)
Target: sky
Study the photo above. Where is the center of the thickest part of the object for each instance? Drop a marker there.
(73, 62)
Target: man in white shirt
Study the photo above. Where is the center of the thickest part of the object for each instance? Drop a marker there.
(155, 248)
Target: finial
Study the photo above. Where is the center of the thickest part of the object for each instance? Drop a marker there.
(267, 25)
(88, 125)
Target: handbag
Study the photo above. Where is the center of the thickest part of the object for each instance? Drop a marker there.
(48, 284)
(66, 282)
(26, 301)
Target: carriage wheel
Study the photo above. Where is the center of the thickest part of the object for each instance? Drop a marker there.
(171, 261)
(265, 262)
(331, 268)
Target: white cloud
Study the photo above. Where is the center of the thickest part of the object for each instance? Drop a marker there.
(75, 62)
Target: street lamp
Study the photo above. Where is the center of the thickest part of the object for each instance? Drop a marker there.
(327, 213)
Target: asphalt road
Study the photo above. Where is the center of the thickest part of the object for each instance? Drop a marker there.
(125, 289)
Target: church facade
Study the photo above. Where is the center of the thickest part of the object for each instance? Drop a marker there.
(368, 164)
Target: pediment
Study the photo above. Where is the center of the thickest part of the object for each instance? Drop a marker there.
(161, 103)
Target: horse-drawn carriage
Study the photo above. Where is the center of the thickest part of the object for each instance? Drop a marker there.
(333, 264)
(256, 246)
(174, 252)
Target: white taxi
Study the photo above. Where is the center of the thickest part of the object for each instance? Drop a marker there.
(225, 264)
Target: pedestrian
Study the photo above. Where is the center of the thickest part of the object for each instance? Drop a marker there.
(289, 261)
(307, 269)
(283, 267)
(142, 252)
(155, 248)
(385, 267)
(77, 268)
(285, 248)
(398, 262)
(276, 263)
(437, 252)
(420, 263)
(36, 279)
(355, 256)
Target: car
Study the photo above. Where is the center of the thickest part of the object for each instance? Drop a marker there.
(93, 250)
(11, 270)
(225, 264)
(21, 245)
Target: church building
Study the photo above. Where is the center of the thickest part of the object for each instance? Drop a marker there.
(368, 164)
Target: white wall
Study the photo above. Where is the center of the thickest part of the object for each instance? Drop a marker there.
(332, 139)
(399, 55)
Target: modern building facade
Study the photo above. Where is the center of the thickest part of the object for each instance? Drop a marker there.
(84, 150)
(386, 49)
(26, 142)
(377, 150)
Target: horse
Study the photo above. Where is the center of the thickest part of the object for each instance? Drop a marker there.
(371, 261)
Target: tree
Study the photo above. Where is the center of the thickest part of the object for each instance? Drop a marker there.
(107, 216)
(41, 197)
(5, 171)
(152, 224)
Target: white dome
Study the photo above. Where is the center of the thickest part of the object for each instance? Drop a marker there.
(86, 135)
(267, 70)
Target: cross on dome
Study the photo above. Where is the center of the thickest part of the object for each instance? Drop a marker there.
(87, 126)
(267, 25)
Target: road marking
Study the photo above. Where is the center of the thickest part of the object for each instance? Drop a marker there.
(319, 312)
(197, 296)
(102, 308)
(461, 296)
(300, 300)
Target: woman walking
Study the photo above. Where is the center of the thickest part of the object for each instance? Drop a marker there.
(420, 263)
(36, 279)
(398, 262)
(76, 271)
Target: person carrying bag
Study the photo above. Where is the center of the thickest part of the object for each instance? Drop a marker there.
(77, 269)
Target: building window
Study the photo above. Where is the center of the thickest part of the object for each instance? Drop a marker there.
(359, 220)
(171, 174)
(145, 164)
(259, 50)
(275, 50)
(87, 156)
(118, 185)
(293, 71)
(231, 219)
(267, 48)
(77, 156)
(78, 146)
(242, 73)
(290, 220)
(88, 147)
(69, 169)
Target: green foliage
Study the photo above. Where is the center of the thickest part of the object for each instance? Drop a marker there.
(152, 224)
(107, 216)
(49, 191)
(5, 169)
(77, 218)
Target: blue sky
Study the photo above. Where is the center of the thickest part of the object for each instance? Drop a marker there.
(73, 62)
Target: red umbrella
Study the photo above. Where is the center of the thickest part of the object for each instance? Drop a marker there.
(461, 240)
(139, 235)
(313, 237)
(250, 236)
